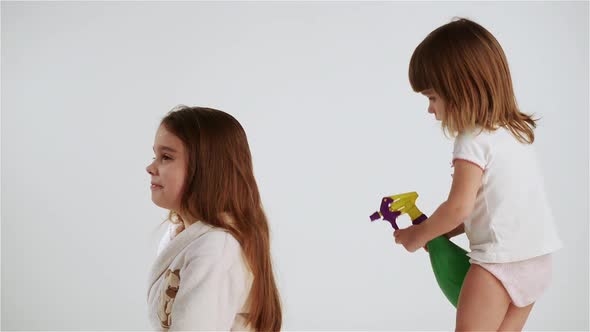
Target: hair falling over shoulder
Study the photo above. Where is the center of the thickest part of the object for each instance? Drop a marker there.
(219, 183)
(466, 66)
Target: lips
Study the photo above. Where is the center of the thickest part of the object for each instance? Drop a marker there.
(156, 185)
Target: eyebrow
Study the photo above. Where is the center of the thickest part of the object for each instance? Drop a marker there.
(165, 148)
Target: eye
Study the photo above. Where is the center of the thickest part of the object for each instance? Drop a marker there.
(164, 157)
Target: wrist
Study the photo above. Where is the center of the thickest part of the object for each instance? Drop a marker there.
(424, 232)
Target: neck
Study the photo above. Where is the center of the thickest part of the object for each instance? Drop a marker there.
(187, 219)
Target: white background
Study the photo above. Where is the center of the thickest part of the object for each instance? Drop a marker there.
(322, 90)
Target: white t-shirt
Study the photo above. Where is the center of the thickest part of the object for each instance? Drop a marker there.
(512, 219)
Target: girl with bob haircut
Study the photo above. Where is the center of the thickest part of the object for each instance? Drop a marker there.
(213, 270)
(497, 196)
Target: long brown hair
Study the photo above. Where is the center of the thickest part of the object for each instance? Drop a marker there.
(466, 66)
(219, 181)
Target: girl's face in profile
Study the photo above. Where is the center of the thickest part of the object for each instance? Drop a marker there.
(436, 104)
(168, 170)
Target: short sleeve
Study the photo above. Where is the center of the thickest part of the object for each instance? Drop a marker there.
(470, 148)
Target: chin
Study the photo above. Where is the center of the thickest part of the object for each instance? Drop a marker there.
(159, 204)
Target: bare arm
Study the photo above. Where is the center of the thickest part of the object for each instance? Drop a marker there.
(449, 216)
(457, 231)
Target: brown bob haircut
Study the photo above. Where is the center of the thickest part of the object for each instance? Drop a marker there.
(466, 66)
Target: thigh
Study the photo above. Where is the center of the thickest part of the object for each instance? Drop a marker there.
(515, 318)
(483, 301)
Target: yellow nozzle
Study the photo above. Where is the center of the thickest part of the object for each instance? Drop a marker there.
(406, 203)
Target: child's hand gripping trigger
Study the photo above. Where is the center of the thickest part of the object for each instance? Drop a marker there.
(449, 262)
(396, 205)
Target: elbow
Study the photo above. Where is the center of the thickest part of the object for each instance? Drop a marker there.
(463, 214)
(458, 212)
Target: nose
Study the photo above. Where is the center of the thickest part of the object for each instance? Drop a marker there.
(149, 169)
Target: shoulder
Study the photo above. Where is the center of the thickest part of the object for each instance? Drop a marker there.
(473, 146)
(218, 252)
(215, 243)
(476, 135)
(473, 139)
(485, 141)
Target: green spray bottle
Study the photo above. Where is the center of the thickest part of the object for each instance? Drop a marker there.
(449, 261)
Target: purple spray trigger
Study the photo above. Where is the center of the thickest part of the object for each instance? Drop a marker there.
(384, 211)
(391, 218)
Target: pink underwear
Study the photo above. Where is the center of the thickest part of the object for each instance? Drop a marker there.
(525, 281)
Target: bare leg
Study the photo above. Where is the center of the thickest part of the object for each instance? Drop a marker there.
(515, 318)
(483, 302)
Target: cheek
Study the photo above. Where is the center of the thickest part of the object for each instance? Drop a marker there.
(172, 178)
(177, 180)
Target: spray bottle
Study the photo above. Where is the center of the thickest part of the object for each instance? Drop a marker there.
(449, 261)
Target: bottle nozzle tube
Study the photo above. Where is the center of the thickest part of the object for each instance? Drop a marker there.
(375, 216)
